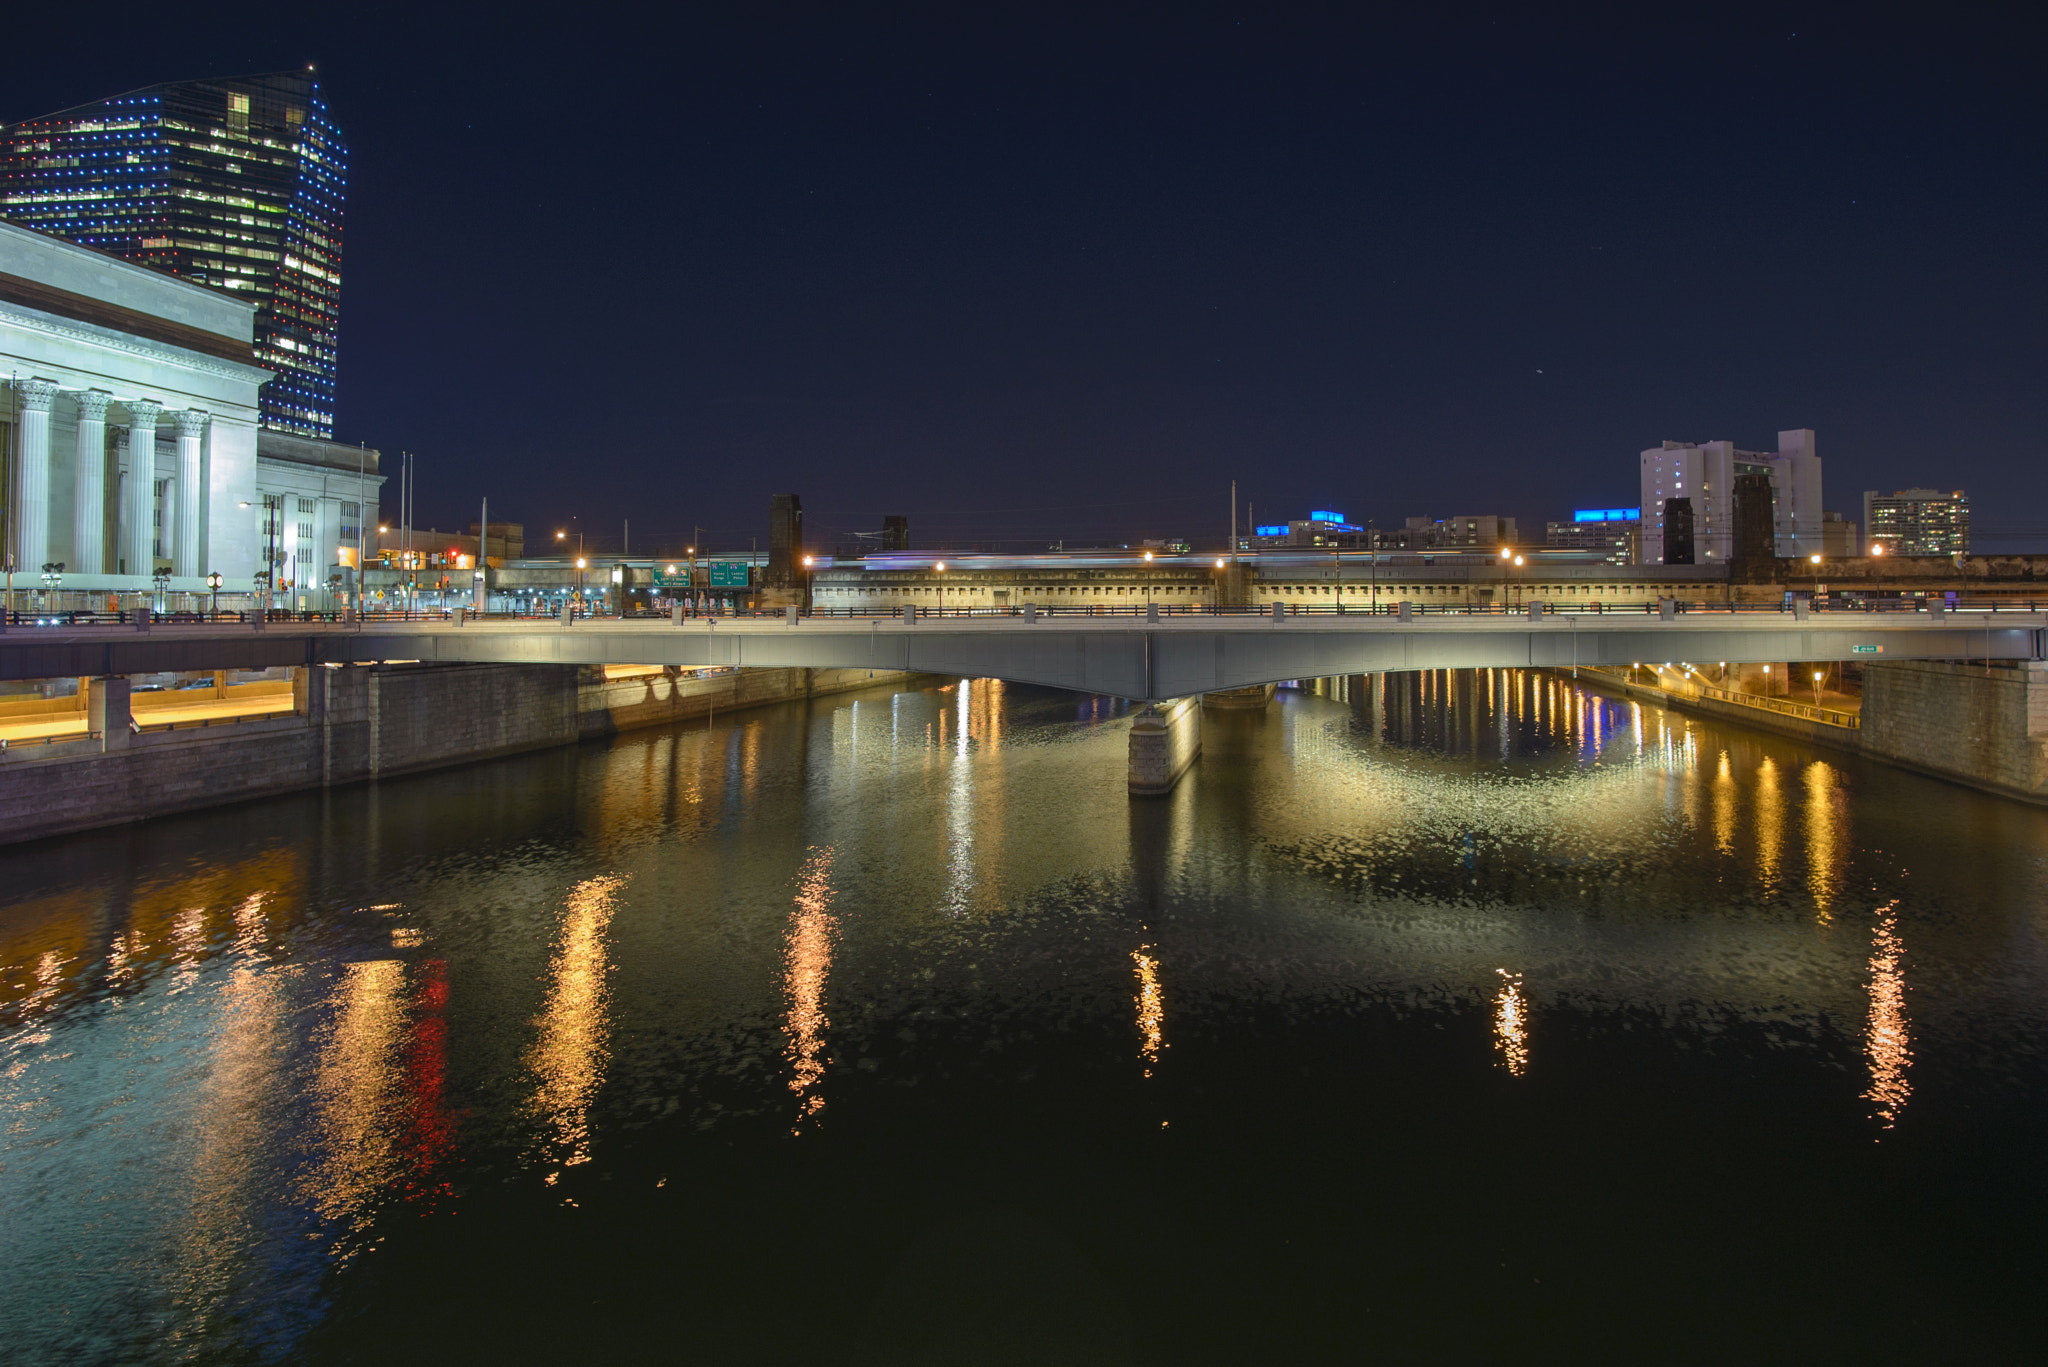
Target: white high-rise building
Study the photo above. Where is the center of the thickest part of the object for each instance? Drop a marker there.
(1705, 473)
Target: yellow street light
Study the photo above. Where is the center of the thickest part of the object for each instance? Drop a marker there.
(1505, 552)
(1814, 558)
(1219, 562)
(580, 562)
(1148, 557)
(1518, 560)
(940, 567)
(1877, 549)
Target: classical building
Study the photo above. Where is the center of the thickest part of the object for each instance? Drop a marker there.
(1918, 521)
(1698, 479)
(128, 425)
(236, 183)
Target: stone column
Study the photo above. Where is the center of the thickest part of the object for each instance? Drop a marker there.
(138, 506)
(191, 492)
(89, 517)
(108, 711)
(32, 496)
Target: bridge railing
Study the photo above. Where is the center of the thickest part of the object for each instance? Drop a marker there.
(22, 618)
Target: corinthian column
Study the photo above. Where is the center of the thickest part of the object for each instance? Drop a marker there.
(32, 506)
(138, 502)
(191, 492)
(89, 517)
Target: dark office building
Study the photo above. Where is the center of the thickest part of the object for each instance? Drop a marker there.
(236, 183)
(895, 533)
(1678, 547)
(785, 537)
(1755, 555)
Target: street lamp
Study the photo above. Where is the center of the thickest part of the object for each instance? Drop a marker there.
(808, 562)
(581, 565)
(213, 583)
(1816, 687)
(1148, 586)
(162, 579)
(53, 579)
(1877, 565)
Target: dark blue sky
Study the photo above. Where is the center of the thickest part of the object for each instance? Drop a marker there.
(1042, 273)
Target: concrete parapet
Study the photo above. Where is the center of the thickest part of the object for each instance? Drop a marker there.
(1164, 741)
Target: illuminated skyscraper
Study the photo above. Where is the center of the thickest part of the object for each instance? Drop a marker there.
(236, 183)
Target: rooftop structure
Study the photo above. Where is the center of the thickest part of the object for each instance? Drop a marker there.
(1701, 476)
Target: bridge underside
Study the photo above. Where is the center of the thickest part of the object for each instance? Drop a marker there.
(1133, 660)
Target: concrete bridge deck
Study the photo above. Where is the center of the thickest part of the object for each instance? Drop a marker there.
(1124, 657)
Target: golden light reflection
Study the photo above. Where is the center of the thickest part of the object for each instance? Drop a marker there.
(1770, 825)
(807, 963)
(1823, 837)
(1151, 1008)
(1511, 1023)
(569, 1058)
(1724, 807)
(356, 1088)
(1888, 1040)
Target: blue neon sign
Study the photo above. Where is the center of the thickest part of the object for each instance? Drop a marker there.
(1608, 515)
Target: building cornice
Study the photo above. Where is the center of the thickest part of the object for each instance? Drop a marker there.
(107, 339)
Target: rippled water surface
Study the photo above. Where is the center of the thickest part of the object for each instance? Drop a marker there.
(1434, 1017)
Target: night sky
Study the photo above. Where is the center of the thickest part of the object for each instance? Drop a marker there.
(1042, 273)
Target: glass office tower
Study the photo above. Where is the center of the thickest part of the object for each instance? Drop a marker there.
(236, 183)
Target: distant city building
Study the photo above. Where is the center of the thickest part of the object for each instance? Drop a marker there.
(896, 532)
(1918, 521)
(1838, 538)
(1700, 479)
(1321, 528)
(235, 183)
(1615, 532)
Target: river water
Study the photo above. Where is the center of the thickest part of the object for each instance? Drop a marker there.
(1434, 1017)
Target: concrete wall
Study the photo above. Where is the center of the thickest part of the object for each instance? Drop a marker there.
(362, 723)
(1986, 728)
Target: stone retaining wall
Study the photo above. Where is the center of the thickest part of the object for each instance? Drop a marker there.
(362, 723)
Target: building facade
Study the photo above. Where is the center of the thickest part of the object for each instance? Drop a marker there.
(1918, 521)
(1616, 533)
(133, 456)
(1702, 476)
(235, 183)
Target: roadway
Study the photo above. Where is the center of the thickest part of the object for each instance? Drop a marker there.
(1126, 656)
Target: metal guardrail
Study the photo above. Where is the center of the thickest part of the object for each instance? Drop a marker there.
(24, 742)
(1827, 716)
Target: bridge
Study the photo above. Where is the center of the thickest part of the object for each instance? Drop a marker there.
(1145, 658)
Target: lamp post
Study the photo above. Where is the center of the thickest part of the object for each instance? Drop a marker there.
(1816, 689)
(213, 584)
(162, 580)
(1505, 553)
(1148, 586)
(1877, 565)
(808, 562)
(53, 579)
(581, 565)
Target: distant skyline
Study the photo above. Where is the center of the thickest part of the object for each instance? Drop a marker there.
(1043, 273)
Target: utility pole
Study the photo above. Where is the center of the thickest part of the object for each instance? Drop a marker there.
(1233, 522)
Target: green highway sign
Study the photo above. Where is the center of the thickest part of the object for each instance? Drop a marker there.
(1867, 650)
(672, 577)
(728, 574)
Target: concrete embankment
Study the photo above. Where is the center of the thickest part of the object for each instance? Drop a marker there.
(363, 723)
(1985, 727)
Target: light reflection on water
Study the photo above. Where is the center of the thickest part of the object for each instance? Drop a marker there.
(271, 1046)
(568, 1059)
